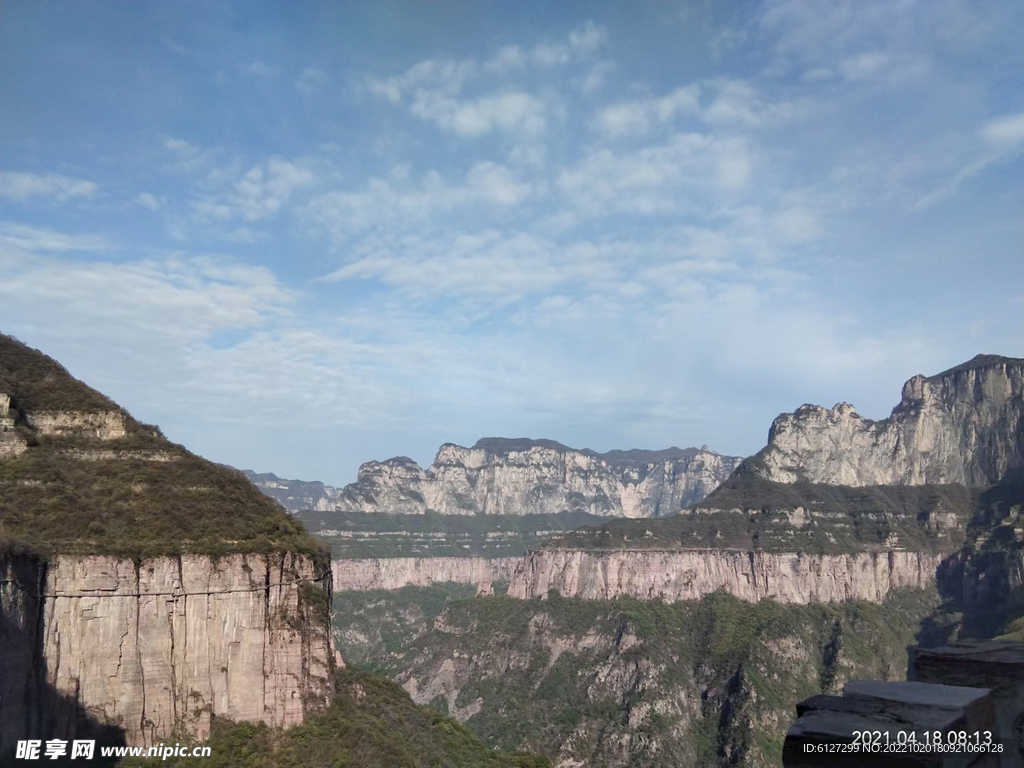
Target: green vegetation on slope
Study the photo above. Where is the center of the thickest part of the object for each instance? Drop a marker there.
(749, 513)
(372, 723)
(708, 683)
(981, 585)
(40, 383)
(373, 625)
(134, 496)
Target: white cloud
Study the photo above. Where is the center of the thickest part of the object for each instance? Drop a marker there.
(1004, 131)
(259, 194)
(516, 113)
(798, 225)
(30, 239)
(508, 59)
(498, 266)
(436, 90)
(259, 69)
(401, 202)
(639, 117)
(595, 77)
(680, 174)
(148, 200)
(20, 186)
(311, 80)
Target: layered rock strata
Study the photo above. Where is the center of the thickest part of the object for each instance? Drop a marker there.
(965, 425)
(159, 646)
(672, 575)
(521, 477)
(398, 572)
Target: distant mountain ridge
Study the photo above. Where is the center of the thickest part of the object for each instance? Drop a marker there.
(518, 476)
(503, 445)
(295, 495)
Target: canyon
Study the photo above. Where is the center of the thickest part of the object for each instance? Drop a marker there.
(687, 639)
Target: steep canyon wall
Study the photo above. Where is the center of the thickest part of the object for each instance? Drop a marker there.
(670, 575)
(154, 645)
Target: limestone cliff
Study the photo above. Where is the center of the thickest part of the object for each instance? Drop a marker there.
(787, 577)
(398, 572)
(965, 425)
(669, 575)
(160, 645)
(498, 476)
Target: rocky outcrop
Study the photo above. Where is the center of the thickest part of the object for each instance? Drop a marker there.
(965, 425)
(160, 644)
(521, 477)
(672, 575)
(398, 572)
(108, 425)
(11, 443)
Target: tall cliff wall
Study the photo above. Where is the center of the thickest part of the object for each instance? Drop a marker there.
(158, 644)
(398, 572)
(673, 575)
(965, 425)
(521, 477)
(669, 575)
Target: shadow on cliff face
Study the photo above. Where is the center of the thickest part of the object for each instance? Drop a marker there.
(982, 585)
(31, 708)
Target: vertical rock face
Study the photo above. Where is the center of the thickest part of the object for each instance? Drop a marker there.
(521, 477)
(965, 425)
(11, 443)
(398, 572)
(108, 425)
(160, 644)
(788, 577)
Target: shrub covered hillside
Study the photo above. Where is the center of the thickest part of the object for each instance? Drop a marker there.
(371, 724)
(754, 514)
(66, 486)
(699, 684)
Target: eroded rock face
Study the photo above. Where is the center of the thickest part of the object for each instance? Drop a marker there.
(166, 643)
(672, 575)
(499, 477)
(108, 425)
(11, 443)
(398, 572)
(962, 426)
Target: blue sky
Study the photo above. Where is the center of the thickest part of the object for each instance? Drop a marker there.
(300, 236)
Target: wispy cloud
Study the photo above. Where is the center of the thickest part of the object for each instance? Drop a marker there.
(258, 194)
(28, 239)
(20, 186)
